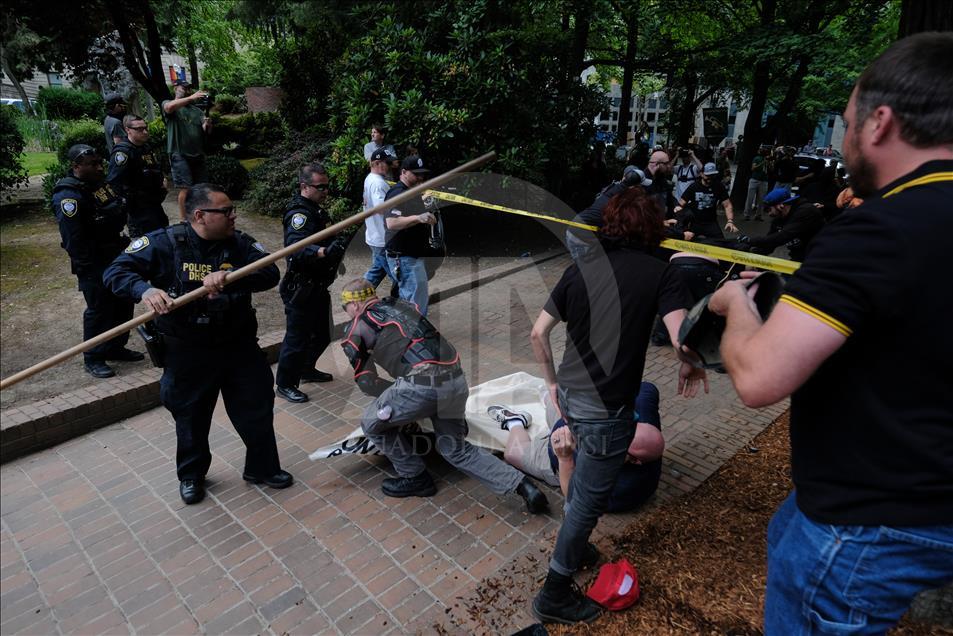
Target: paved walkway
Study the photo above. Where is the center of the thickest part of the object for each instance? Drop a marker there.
(95, 539)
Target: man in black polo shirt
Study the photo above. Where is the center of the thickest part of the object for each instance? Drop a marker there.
(408, 235)
(870, 523)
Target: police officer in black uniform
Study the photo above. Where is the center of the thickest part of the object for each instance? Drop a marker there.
(211, 345)
(304, 288)
(91, 217)
(135, 174)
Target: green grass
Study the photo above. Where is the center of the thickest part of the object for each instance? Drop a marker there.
(36, 162)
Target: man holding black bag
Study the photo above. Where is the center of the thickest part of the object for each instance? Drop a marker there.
(304, 288)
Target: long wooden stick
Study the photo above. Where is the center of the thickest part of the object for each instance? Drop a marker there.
(252, 267)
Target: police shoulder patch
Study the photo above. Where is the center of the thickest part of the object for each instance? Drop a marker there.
(138, 244)
(121, 157)
(258, 246)
(298, 221)
(69, 207)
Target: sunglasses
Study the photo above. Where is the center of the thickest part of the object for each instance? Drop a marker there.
(137, 128)
(229, 211)
(323, 187)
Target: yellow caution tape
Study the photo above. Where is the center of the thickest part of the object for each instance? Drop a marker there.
(722, 253)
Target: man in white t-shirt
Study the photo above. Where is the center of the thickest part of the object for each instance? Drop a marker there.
(686, 173)
(377, 143)
(375, 190)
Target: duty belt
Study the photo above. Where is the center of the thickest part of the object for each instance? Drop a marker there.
(435, 380)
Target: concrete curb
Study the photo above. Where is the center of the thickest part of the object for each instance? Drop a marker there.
(38, 425)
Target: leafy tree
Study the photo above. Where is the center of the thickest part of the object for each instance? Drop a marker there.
(12, 172)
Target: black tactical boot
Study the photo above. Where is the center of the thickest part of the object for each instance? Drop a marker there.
(561, 601)
(536, 501)
(420, 486)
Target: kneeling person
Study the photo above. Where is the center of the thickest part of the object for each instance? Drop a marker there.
(552, 458)
(428, 383)
(211, 345)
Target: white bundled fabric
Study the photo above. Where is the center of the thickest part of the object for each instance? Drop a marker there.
(518, 391)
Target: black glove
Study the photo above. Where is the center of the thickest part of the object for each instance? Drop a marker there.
(336, 248)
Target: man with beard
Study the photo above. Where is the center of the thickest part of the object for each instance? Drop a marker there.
(703, 197)
(660, 171)
(795, 223)
(870, 523)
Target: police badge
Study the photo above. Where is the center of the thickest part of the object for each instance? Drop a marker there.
(138, 244)
(121, 157)
(69, 207)
(298, 221)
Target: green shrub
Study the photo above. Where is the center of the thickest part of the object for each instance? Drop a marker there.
(39, 134)
(274, 181)
(83, 131)
(226, 104)
(157, 140)
(69, 103)
(229, 173)
(248, 135)
(12, 172)
(54, 172)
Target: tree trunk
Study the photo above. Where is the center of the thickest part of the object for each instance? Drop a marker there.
(748, 148)
(193, 64)
(917, 16)
(686, 114)
(628, 70)
(27, 106)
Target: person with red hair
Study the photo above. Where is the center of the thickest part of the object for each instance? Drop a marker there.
(608, 299)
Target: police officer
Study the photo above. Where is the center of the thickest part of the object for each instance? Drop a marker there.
(428, 383)
(136, 175)
(795, 223)
(210, 345)
(304, 288)
(91, 217)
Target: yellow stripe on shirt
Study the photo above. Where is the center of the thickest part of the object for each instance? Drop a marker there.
(929, 178)
(827, 319)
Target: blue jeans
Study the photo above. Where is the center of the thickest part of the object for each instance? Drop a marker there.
(602, 442)
(411, 276)
(379, 268)
(825, 579)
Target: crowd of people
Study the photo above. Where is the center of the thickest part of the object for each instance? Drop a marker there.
(870, 522)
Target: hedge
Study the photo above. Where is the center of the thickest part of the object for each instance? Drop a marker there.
(69, 103)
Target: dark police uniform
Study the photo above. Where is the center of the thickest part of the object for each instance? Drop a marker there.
(795, 230)
(304, 291)
(91, 219)
(211, 345)
(135, 174)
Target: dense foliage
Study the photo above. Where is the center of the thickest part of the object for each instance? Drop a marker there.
(69, 103)
(229, 173)
(12, 172)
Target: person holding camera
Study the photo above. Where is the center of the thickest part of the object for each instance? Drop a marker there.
(186, 123)
(304, 289)
(687, 172)
(210, 346)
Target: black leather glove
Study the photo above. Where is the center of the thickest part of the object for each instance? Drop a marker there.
(336, 248)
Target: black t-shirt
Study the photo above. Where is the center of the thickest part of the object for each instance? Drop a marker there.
(593, 214)
(411, 241)
(706, 199)
(609, 305)
(787, 169)
(872, 429)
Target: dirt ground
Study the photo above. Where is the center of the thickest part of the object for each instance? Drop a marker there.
(701, 558)
(41, 309)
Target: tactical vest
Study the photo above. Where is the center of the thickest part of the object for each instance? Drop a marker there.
(104, 226)
(146, 181)
(226, 317)
(412, 341)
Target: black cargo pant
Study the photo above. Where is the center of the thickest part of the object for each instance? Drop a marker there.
(307, 335)
(103, 311)
(194, 376)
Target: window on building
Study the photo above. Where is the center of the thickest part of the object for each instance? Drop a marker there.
(663, 104)
(616, 101)
(652, 102)
(54, 79)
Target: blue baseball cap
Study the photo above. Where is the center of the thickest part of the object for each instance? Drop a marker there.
(780, 195)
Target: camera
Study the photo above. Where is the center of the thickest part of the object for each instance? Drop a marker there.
(682, 153)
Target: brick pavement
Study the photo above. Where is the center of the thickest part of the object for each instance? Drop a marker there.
(94, 538)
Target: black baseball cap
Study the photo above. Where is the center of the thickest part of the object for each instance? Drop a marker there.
(415, 164)
(80, 150)
(382, 155)
(114, 98)
(181, 82)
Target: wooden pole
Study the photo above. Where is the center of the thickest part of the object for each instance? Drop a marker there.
(242, 272)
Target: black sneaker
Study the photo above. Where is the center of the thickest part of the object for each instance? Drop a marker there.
(536, 501)
(503, 415)
(292, 394)
(561, 601)
(99, 369)
(316, 376)
(126, 355)
(281, 479)
(420, 486)
(192, 491)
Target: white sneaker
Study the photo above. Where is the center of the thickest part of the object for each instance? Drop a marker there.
(505, 415)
